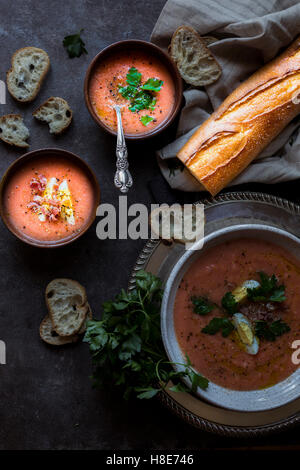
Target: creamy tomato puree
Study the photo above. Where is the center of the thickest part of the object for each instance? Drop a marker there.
(20, 193)
(104, 91)
(216, 272)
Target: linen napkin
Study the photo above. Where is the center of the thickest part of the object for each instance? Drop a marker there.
(249, 34)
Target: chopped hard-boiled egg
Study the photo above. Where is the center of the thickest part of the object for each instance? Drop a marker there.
(240, 293)
(245, 332)
(64, 195)
(47, 196)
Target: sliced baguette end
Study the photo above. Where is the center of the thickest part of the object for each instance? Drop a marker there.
(29, 66)
(13, 130)
(48, 334)
(195, 62)
(66, 300)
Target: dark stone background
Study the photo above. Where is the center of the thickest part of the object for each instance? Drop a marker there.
(46, 399)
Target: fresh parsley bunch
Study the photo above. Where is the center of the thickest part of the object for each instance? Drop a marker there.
(127, 347)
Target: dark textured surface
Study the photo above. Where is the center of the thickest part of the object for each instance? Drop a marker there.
(46, 399)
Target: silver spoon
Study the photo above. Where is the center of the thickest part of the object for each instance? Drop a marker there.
(123, 178)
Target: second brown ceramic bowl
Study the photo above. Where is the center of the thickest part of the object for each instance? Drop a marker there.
(148, 47)
(34, 156)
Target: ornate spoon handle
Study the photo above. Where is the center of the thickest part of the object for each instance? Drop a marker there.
(123, 178)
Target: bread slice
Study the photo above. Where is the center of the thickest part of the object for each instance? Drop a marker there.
(50, 336)
(195, 62)
(56, 112)
(13, 130)
(67, 305)
(162, 216)
(89, 316)
(29, 67)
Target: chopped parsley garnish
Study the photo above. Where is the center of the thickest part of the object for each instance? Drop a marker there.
(201, 305)
(128, 92)
(133, 77)
(271, 331)
(219, 324)
(145, 120)
(229, 303)
(268, 291)
(140, 101)
(140, 95)
(74, 45)
(152, 84)
(127, 348)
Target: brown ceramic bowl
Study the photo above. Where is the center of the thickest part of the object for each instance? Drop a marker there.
(36, 155)
(134, 44)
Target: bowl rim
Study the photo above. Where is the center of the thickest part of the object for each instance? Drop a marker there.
(40, 153)
(165, 58)
(242, 401)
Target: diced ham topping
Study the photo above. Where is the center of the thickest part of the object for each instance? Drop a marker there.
(43, 181)
(37, 199)
(38, 184)
(33, 206)
(51, 208)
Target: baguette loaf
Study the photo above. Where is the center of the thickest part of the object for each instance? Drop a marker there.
(247, 121)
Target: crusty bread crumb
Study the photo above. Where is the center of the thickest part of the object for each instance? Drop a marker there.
(13, 130)
(56, 112)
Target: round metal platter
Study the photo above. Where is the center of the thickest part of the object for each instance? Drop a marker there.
(156, 257)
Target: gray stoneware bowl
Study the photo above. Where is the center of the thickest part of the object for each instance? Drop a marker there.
(256, 400)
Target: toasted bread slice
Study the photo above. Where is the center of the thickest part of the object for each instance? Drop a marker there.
(56, 112)
(50, 336)
(195, 62)
(175, 226)
(13, 130)
(29, 67)
(67, 305)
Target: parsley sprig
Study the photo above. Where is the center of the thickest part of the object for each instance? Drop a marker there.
(268, 291)
(229, 303)
(201, 305)
(75, 45)
(140, 95)
(271, 331)
(219, 324)
(127, 347)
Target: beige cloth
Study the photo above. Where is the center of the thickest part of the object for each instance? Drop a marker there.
(250, 32)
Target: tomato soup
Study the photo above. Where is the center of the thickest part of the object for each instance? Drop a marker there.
(221, 359)
(140, 84)
(49, 198)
